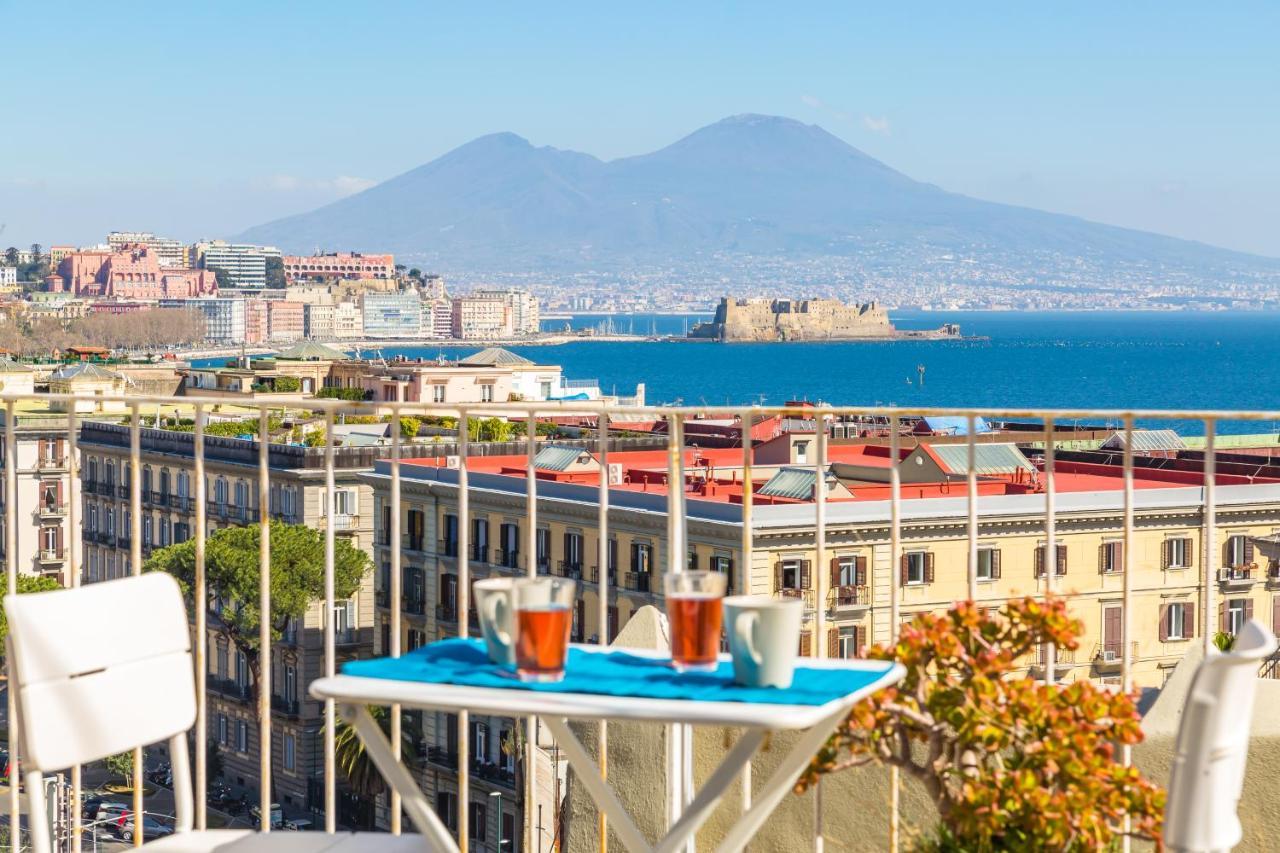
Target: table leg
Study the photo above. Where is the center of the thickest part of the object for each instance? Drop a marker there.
(420, 812)
(692, 817)
(779, 784)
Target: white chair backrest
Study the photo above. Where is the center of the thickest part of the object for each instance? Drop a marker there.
(1213, 745)
(100, 669)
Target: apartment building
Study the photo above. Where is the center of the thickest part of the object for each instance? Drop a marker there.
(481, 318)
(348, 320)
(351, 265)
(43, 482)
(392, 315)
(245, 265)
(847, 591)
(224, 318)
(170, 252)
(297, 496)
(523, 305)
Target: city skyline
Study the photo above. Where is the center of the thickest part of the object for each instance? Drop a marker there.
(1108, 117)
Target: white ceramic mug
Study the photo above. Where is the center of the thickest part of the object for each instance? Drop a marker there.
(764, 634)
(496, 610)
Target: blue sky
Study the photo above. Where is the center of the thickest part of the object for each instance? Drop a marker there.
(202, 119)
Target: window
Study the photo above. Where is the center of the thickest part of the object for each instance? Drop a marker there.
(146, 481)
(451, 535)
(988, 564)
(242, 670)
(220, 492)
(290, 753)
(242, 736)
(147, 528)
(290, 686)
(242, 495)
(222, 729)
(1177, 553)
(478, 822)
(184, 484)
(792, 574)
(344, 501)
(1177, 626)
(802, 452)
(49, 540)
(437, 393)
(447, 808)
(164, 531)
(486, 393)
(222, 661)
(1238, 611)
(641, 557)
(1061, 562)
(917, 568)
(544, 390)
(415, 639)
(543, 536)
(1239, 551)
(1111, 557)
(480, 742)
(344, 617)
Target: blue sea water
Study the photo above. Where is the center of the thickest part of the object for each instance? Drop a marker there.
(1052, 359)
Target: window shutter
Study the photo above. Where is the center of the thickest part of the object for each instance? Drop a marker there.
(1248, 549)
(1189, 626)
(1226, 552)
(567, 538)
(1191, 554)
(1275, 614)
(1040, 560)
(1062, 559)
(1248, 609)
(928, 567)
(1164, 622)
(59, 541)
(59, 448)
(1222, 615)
(860, 571)
(833, 642)
(1165, 558)
(806, 643)
(995, 563)
(860, 639)
(902, 569)
(835, 572)
(40, 448)
(1117, 557)
(805, 571)
(777, 575)
(1103, 561)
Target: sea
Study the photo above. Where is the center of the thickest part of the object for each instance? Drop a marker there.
(1041, 359)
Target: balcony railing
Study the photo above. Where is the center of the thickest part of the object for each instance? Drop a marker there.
(288, 707)
(408, 542)
(569, 569)
(442, 757)
(48, 463)
(889, 512)
(805, 595)
(1237, 575)
(479, 554)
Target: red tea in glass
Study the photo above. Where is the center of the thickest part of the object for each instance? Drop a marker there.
(542, 641)
(694, 614)
(544, 617)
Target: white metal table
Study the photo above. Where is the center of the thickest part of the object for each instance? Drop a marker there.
(352, 694)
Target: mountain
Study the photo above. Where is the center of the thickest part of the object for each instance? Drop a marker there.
(748, 185)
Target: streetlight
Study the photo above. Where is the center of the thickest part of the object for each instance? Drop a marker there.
(501, 840)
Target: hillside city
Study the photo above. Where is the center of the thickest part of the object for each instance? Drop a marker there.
(237, 294)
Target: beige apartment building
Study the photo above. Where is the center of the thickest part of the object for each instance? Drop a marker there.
(297, 496)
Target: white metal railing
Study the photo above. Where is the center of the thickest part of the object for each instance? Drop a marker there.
(679, 741)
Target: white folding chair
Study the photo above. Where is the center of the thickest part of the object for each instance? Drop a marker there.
(107, 667)
(1213, 745)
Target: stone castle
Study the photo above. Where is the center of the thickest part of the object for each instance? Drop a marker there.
(763, 319)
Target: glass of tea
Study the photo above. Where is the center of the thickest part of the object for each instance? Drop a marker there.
(693, 610)
(544, 617)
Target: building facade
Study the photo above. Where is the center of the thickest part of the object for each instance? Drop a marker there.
(244, 264)
(297, 496)
(481, 318)
(169, 252)
(392, 315)
(351, 265)
(525, 319)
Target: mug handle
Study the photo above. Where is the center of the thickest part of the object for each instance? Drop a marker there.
(745, 627)
(491, 616)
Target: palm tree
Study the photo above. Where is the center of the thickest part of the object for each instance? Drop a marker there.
(354, 761)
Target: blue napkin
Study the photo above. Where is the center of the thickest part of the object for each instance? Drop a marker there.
(616, 673)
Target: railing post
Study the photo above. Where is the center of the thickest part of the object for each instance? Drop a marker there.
(200, 605)
(1126, 611)
(264, 616)
(73, 580)
(602, 582)
(11, 580)
(821, 571)
(463, 604)
(330, 640)
(1050, 563)
(744, 568)
(396, 592)
(895, 559)
(971, 490)
(1210, 527)
(531, 725)
(135, 563)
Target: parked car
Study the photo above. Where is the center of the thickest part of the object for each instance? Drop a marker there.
(106, 810)
(277, 816)
(299, 824)
(151, 828)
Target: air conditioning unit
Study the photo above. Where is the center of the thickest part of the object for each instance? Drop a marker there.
(454, 462)
(615, 473)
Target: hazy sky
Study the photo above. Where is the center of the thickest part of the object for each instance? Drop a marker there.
(201, 119)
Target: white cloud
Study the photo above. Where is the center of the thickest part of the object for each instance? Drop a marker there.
(811, 101)
(342, 185)
(876, 124)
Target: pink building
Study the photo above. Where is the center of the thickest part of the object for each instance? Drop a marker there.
(132, 273)
(339, 265)
(285, 320)
(255, 321)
